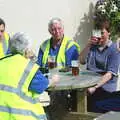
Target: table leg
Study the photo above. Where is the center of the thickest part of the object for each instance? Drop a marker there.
(82, 101)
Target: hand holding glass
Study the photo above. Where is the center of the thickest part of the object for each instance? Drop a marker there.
(96, 35)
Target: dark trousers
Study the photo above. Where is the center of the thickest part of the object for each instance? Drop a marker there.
(102, 101)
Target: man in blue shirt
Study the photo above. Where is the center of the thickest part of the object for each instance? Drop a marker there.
(63, 48)
(102, 56)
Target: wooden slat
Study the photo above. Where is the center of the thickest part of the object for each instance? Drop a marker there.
(81, 101)
(80, 116)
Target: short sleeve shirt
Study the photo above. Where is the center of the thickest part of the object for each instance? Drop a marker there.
(105, 60)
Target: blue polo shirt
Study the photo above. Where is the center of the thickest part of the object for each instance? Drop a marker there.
(39, 82)
(71, 54)
(102, 60)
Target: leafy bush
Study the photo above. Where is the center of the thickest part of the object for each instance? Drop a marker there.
(108, 10)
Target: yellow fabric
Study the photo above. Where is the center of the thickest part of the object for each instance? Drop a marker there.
(14, 116)
(6, 38)
(11, 77)
(46, 52)
(61, 54)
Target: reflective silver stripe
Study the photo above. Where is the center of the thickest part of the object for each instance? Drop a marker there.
(22, 81)
(4, 46)
(43, 46)
(22, 112)
(19, 93)
(25, 74)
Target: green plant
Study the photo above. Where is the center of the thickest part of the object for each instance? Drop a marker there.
(108, 10)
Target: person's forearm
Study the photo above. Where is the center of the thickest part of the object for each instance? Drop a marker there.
(84, 54)
(104, 80)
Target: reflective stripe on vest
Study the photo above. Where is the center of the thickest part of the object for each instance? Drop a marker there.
(61, 59)
(18, 94)
(22, 112)
(45, 48)
(4, 45)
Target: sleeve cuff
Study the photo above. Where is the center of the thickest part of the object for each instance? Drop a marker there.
(115, 74)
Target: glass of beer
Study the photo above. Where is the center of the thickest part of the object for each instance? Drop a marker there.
(75, 67)
(51, 62)
(96, 34)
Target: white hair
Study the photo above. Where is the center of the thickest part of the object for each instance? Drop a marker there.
(19, 42)
(55, 20)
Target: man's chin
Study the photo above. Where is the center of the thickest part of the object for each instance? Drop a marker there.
(56, 37)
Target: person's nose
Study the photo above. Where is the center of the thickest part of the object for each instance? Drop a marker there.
(57, 31)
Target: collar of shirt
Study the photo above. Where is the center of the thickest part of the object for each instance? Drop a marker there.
(55, 46)
(108, 44)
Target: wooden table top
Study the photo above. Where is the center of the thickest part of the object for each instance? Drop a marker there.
(85, 79)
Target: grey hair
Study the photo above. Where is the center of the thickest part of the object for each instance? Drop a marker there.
(55, 20)
(19, 43)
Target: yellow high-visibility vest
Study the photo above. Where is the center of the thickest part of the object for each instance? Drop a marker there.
(16, 102)
(4, 45)
(61, 58)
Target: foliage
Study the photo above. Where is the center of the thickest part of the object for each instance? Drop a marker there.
(108, 10)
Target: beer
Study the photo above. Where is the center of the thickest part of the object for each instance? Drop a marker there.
(75, 71)
(96, 35)
(51, 65)
(75, 67)
(51, 62)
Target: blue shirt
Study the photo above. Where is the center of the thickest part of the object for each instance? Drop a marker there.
(71, 54)
(102, 61)
(39, 83)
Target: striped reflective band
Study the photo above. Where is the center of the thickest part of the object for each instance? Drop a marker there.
(23, 112)
(4, 46)
(25, 74)
(18, 90)
(19, 93)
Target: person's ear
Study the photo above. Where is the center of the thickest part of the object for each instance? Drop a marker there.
(49, 31)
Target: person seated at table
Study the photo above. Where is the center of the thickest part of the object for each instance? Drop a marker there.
(102, 56)
(21, 83)
(63, 48)
(4, 40)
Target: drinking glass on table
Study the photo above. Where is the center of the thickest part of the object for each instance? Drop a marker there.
(51, 62)
(75, 67)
